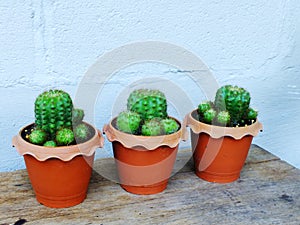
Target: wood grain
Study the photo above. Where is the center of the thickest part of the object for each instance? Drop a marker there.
(267, 193)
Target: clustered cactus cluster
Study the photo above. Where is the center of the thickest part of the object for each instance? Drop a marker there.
(231, 108)
(57, 122)
(146, 114)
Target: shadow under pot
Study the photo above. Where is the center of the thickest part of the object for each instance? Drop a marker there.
(219, 153)
(59, 175)
(144, 163)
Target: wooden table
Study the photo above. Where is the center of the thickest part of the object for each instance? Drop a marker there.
(268, 192)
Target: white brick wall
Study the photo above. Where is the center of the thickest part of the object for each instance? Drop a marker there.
(51, 44)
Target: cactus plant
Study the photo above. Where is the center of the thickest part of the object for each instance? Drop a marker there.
(170, 125)
(55, 118)
(209, 116)
(251, 114)
(148, 103)
(50, 144)
(38, 136)
(146, 114)
(64, 137)
(152, 127)
(129, 122)
(53, 111)
(235, 100)
(230, 108)
(81, 132)
(223, 118)
(77, 116)
(203, 107)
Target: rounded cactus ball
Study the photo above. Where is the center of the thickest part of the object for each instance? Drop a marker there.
(209, 116)
(50, 144)
(64, 136)
(223, 117)
(38, 137)
(152, 127)
(203, 107)
(252, 114)
(129, 122)
(81, 132)
(170, 125)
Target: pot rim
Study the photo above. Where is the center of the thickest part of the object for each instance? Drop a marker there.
(64, 153)
(146, 142)
(218, 131)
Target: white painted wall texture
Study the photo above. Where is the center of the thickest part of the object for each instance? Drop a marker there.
(51, 44)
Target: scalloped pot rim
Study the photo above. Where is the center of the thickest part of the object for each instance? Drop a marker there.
(218, 131)
(145, 142)
(64, 153)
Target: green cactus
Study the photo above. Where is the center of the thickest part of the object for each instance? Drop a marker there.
(50, 144)
(148, 103)
(223, 118)
(170, 125)
(53, 111)
(152, 127)
(81, 133)
(64, 137)
(209, 116)
(233, 99)
(77, 116)
(251, 114)
(203, 107)
(129, 122)
(38, 137)
(230, 108)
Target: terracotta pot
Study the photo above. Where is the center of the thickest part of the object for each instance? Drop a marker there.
(144, 164)
(219, 153)
(60, 175)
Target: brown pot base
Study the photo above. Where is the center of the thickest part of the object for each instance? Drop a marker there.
(61, 202)
(59, 184)
(217, 178)
(146, 190)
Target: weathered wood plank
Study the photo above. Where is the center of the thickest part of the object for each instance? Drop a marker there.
(267, 193)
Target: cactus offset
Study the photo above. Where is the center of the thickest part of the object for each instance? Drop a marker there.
(50, 144)
(209, 116)
(251, 114)
(77, 116)
(53, 111)
(129, 122)
(64, 137)
(81, 133)
(38, 137)
(223, 118)
(170, 125)
(148, 103)
(203, 107)
(152, 127)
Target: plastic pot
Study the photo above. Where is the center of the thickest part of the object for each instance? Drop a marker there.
(60, 175)
(144, 164)
(219, 153)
